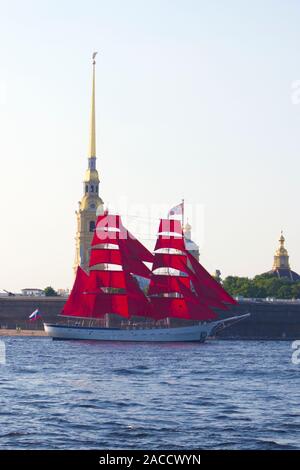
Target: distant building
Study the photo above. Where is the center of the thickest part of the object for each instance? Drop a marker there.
(63, 292)
(281, 266)
(190, 245)
(33, 292)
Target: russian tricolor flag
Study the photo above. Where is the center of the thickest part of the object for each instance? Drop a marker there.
(35, 315)
(176, 210)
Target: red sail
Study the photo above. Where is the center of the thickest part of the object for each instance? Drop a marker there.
(133, 247)
(202, 312)
(199, 292)
(92, 297)
(136, 267)
(120, 304)
(75, 305)
(130, 264)
(163, 284)
(115, 280)
(131, 261)
(129, 256)
(105, 236)
(138, 308)
(138, 250)
(108, 221)
(207, 296)
(105, 278)
(105, 256)
(132, 301)
(202, 306)
(133, 288)
(108, 303)
(170, 226)
(208, 281)
(138, 302)
(131, 253)
(171, 241)
(168, 260)
(164, 307)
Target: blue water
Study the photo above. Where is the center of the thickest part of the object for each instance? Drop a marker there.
(218, 395)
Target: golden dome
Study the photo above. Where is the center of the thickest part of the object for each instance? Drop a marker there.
(281, 251)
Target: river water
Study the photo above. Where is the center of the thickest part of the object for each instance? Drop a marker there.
(80, 395)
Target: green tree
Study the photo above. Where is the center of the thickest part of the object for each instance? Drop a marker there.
(262, 286)
(235, 285)
(285, 292)
(296, 290)
(50, 292)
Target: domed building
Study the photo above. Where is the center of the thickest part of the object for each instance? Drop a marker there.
(281, 266)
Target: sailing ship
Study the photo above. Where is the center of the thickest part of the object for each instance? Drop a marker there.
(180, 302)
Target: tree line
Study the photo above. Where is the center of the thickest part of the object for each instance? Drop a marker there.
(262, 286)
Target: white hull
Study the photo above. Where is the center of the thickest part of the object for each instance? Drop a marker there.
(194, 333)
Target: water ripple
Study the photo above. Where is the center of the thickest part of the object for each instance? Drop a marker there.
(220, 395)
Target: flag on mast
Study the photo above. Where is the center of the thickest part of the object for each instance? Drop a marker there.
(35, 315)
(176, 210)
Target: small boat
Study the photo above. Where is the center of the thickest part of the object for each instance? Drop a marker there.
(179, 303)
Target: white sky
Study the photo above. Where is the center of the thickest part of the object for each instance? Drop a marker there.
(194, 100)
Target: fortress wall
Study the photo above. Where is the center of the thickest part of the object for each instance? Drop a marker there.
(14, 311)
(268, 320)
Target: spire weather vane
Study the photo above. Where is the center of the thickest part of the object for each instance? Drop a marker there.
(94, 57)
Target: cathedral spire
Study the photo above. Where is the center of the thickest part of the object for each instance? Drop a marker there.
(90, 203)
(92, 149)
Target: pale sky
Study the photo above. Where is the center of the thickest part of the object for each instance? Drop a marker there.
(194, 99)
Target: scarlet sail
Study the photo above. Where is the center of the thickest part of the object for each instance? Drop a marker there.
(173, 241)
(110, 287)
(170, 260)
(75, 305)
(161, 283)
(170, 226)
(179, 286)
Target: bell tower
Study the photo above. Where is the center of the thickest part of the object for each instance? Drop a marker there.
(91, 204)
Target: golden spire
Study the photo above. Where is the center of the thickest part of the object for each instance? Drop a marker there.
(282, 239)
(92, 149)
